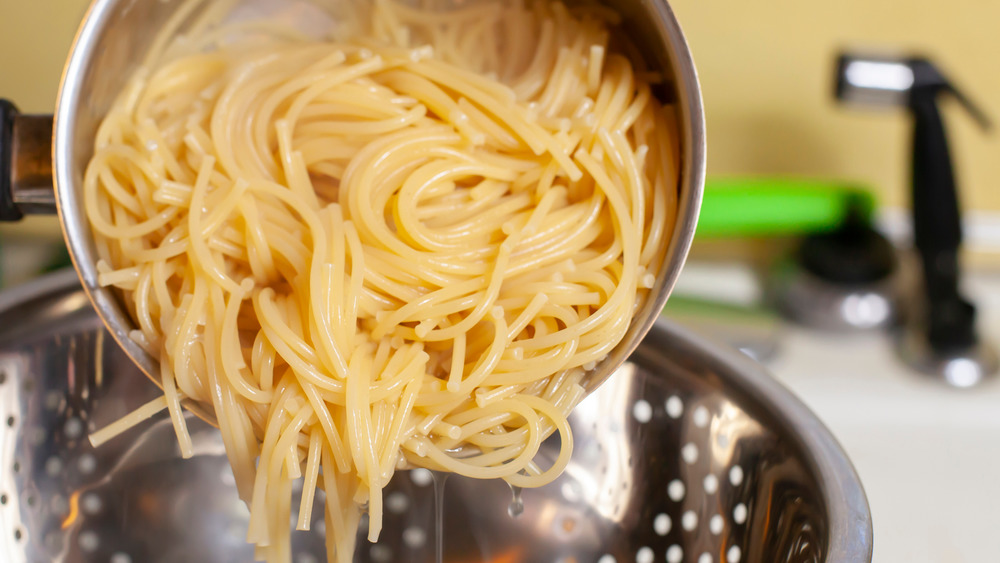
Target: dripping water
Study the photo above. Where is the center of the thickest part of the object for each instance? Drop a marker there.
(439, 480)
(516, 506)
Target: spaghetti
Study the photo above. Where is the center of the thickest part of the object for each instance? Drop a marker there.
(400, 247)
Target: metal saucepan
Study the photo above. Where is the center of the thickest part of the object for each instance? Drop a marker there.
(37, 153)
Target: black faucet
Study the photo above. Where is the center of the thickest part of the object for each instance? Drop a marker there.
(940, 337)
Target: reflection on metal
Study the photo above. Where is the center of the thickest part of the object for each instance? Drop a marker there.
(767, 481)
(963, 368)
(895, 76)
(816, 303)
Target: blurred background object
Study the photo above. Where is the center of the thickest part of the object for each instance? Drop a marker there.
(766, 70)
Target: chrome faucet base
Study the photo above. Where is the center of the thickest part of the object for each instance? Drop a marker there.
(961, 368)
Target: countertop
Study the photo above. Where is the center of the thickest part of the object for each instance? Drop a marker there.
(928, 455)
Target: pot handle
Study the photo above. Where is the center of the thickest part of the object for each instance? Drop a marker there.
(25, 164)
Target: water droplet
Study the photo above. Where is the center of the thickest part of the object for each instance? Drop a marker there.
(516, 505)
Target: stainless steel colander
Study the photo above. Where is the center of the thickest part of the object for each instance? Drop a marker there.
(689, 453)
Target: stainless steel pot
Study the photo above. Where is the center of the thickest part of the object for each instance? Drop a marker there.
(113, 39)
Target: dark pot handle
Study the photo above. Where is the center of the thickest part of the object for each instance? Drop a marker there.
(25, 164)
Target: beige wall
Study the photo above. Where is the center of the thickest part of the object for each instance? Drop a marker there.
(767, 74)
(766, 69)
(35, 36)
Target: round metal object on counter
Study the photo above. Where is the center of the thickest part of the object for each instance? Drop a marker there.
(690, 452)
(845, 279)
(814, 302)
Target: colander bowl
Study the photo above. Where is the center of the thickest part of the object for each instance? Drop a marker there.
(689, 453)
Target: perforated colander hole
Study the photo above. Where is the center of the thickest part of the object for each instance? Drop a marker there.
(689, 520)
(397, 503)
(381, 553)
(30, 500)
(607, 558)
(73, 428)
(88, 541)
(421, 477)
(689, 452)
(18, 534)
(11, 421)
(736, 475)
(734, 554)
(53, 466)
(3, 376)
(715, 524)
(711, 484)
(414, 537)
(91, 503)
(662, 524)
(120, 557)
(700, 417)
(36, 436)
(86, 464)
(675, 554)
(53, 399)
(58, 504)
(642, 411)
(674, 406)
(17, 466)
(675, 490)
(28, 385)
(644, 555)
(3, 498)
(705, 558)
(740, 513)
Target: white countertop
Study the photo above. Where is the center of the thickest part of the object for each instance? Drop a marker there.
(928, 455)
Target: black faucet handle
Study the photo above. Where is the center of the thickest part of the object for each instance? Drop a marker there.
(944, 326)
(928, 78)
